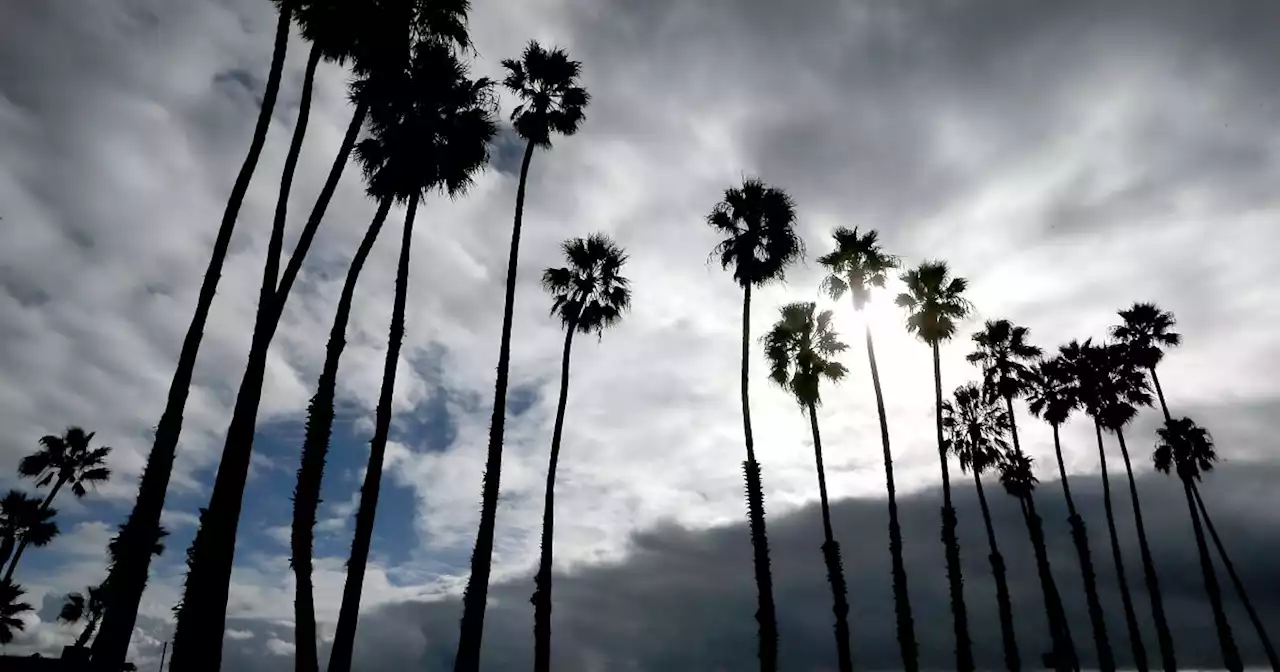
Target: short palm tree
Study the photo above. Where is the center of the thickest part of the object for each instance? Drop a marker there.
(1005, 357)
(1052, 396)
(552, 102)
(935, 303)
(975, 426)
(11, 608)
(1187, 449)
(856, 266)
(88, 607)
(757, 225)
(589, 295)
(1148, 330)
(66, 460)
(23, 519)
(801, 348)
(1018, 478)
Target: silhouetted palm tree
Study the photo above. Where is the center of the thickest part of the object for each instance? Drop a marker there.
(757, 224)
(1188, 450)
(1005, 355)
(1053, 394)
(10, 609)
(589, 295)
(65, 460)
(975, 427)
(1148, 330)
(23, 519)
(551, 102)
(800, 349)
(935, 302)
(87, 606)
(856, 266)
(1019, 480)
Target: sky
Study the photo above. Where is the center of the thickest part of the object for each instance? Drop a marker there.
(1068, 159)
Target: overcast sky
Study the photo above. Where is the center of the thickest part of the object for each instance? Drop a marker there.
(1067, 158)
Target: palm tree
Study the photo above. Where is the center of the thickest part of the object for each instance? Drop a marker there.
(800, 349)
(552, 102)
(65, 460)
(1019, 480)
(1188, 449)
(935, 303)
(1110, 391)
(589, 295)
(1005, 355)
(856, 266)
(1148, 330)
(1052, 395)
(10, 610)
(975, 426)
(757, 224)
(23, 519)
(87, 606)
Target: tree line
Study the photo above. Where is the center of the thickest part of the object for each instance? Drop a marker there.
(422, 126)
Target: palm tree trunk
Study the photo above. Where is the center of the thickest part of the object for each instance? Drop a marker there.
(1230, 654)
(1064, 649)
(1148, 567)
(1011, 659)
(6, 549)
(1130, 618)
(88, 631)
(22, 543)
(475, 598)
(1164, 407)
(315, 447)
(349, 612)
(831, 555)
(955, 579)
(1235, 581)
(901, 600)
(1080, 538)
(542, 582)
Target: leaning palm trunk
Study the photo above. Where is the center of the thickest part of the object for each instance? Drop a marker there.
(542, 582)
(955, 579)
(1230, 654)
(1064, 649)
(1149, 567)
(345, 635)
(476, 595)
(22, 543)
(1011, 659)
(129, 577)
(1080, 538)
(901, 600)
(315, 447)
(88, 631)
(1130, 618)
(831, 555)
(1235, 581)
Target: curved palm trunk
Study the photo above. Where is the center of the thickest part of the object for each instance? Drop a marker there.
(542, 591)
(831, 555)
(1011, 659)
(1230, 654)
(345, 635)
(88, 631)
(1064, 649)
(22, 543)
(476, 596)
(1235, 581)
(315, 447)
(901, 600)
(1130, 618)
(955, 579)
(1164, 407)
(766, 615)
(1149, 567)
(1080, 538)
(6, 548)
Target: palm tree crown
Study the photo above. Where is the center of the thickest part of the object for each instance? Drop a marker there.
(975, 426)
(757, 222)
(934, 301)
(1112, 387)
(590, 293)
(21, 517)
(1016, 474)
(800, 348)
(67, 458)
(1186, 447)
(10, 610)
(1052, 392)
(1004, 355)
(78, 606)
(856, 265)
(551, 100)
(1147, 330)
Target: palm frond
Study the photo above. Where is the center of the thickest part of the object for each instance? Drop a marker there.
(800, 349)
(757, 223)
(590, 294)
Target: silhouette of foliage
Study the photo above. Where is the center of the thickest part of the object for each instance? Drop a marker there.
(23, 520)
(11, 608)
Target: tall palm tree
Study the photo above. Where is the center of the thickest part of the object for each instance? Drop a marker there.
(1052, 396)
(935, 303)
(1109, 393)
(1188, 450)
(552, 102)
(856, 266)
(759, 241)
(10, 610)
(88, 607)
(589, 295)
(1019, 480)
(1005, 357)
(1148, 330)
(975, 426)
(26, 520)
(801, 348)
(66, 460)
